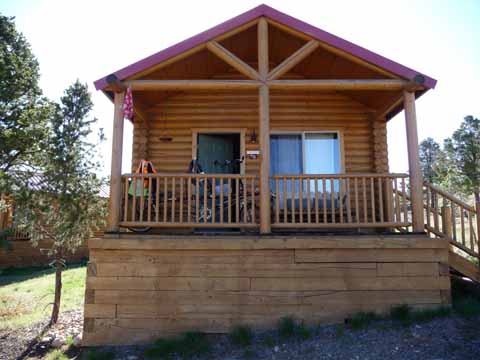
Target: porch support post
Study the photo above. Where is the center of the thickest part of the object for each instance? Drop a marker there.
(116, 169)
(416, 181)
(264, 127)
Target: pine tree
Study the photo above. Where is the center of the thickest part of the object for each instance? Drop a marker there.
(66, 208)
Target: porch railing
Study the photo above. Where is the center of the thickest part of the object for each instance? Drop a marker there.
(340, 201)
(451, 218)
(189, 200)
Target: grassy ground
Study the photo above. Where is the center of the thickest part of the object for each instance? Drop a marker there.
(26, 294)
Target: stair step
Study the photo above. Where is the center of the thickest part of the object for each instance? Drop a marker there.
(464, 266)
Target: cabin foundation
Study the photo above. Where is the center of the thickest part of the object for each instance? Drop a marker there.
(141, 288)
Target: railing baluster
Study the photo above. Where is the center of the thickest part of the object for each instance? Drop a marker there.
(332, 200)
(214, 195)
(292, 199)
(142, 197)
(429, 210)
(173, 199)
(181, 200)
(221, 200)
(324, 199)
(462, 221)
(397, 201)
(470, 230)
(197, 199)
(300, 200)
(125, 209)
(149, 202)
(157, 198)
(189, 199)
(404, 200)
(435, 211)
(349, 205)
(454, 221)
(309, 199)
(205, 199)
(237, 201)
(364, 199)
(380, 200)
(165, 198)
(340, 198)
(285, 207)
(254, 221)
(357, 210)
(277, 202)
(244, 196)
(229, 200)
(316, 201)
(134, 198)
(372, 199)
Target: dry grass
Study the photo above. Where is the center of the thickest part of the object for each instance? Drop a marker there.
(26, 295)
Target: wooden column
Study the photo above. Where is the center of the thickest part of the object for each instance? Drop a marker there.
(416, 181)
(116, 169)
(264, 127)
(264, 130)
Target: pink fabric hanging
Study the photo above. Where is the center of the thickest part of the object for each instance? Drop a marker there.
(128, 105)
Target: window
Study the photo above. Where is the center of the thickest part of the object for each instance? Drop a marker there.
(305, 153)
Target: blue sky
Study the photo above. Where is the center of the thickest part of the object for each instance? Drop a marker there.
(89, 39)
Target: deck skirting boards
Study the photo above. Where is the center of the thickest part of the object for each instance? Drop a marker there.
(140, 288)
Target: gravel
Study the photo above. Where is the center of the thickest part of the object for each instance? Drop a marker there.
(447, 338)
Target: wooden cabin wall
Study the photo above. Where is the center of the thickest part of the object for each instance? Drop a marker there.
(364, 137)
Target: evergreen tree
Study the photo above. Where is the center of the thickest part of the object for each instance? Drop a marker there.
(429, 154)
(67, 207)
(464, 151)
(23, 111)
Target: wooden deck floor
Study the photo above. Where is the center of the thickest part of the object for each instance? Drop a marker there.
(140, 288)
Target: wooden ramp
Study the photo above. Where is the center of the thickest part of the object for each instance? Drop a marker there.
(458, 222)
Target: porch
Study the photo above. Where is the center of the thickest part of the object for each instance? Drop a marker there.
(242, 82)
(301, 202)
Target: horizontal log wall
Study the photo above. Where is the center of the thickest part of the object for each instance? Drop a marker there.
(140, 290)
(175, 116)
(21, 253)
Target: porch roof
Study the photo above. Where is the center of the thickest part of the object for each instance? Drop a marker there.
(282, 18)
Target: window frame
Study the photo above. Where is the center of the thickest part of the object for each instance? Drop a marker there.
(339, 133)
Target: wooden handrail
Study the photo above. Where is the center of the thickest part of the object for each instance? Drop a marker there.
(339, 201)
(452, 218)
(450, 197)
(172, 200)
(340, 176)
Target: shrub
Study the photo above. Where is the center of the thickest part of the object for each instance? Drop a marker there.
(187, 345)
(430, 314)
(467, 307)
(56, 355)
(362, 319)
(286, 327)
(99, 355)
(241, 335)
(401, 313)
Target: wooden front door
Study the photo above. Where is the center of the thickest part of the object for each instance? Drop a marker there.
(219, 153)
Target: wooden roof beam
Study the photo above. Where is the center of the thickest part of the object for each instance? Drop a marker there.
(339, 84)
(293, 59)
(145, 85)
(115, 84)
(232, 60)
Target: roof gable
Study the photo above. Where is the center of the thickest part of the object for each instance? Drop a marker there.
(282, 18)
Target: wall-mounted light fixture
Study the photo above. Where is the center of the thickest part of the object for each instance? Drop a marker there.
(253, 137)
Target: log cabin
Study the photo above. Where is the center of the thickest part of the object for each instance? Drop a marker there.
(272, 194)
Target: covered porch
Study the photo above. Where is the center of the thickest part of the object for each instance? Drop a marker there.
(228, 86)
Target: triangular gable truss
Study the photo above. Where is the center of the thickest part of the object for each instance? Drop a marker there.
(315, 38)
